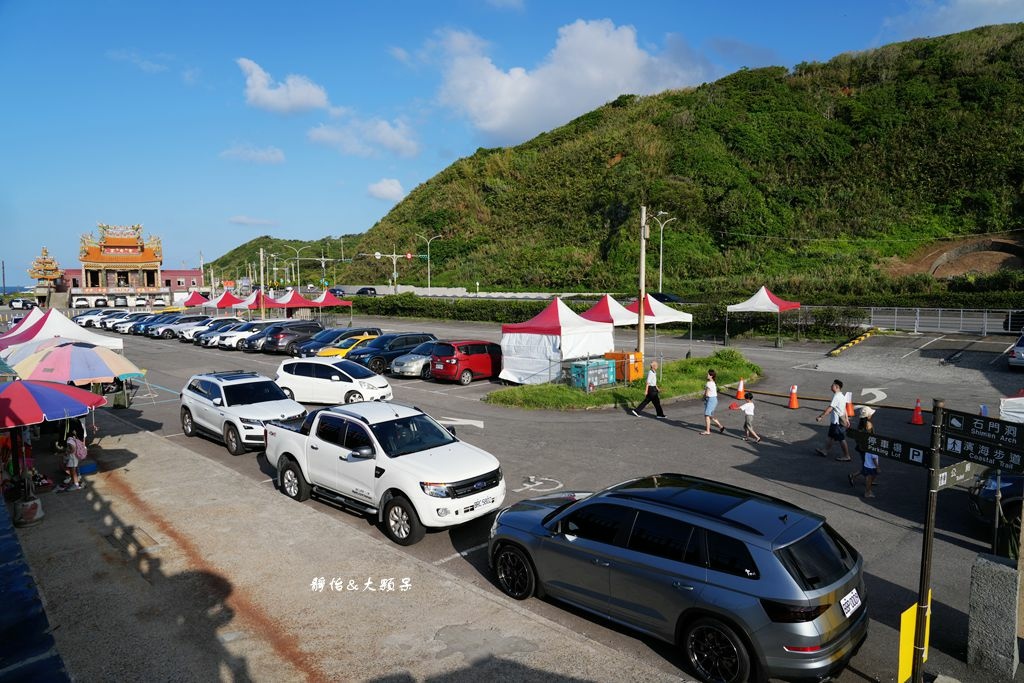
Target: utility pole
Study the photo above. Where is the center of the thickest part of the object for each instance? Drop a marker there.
(643, 280)
(262, 294)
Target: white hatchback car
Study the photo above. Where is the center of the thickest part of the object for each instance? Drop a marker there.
(330, 380)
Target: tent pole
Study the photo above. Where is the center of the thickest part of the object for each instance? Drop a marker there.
(725, 341)
(689, 352)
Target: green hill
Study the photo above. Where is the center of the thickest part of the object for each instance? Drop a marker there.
(810, 180)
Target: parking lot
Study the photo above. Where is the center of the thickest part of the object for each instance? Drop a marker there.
(589, 450)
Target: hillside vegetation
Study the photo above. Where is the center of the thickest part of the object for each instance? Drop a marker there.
(809, 180)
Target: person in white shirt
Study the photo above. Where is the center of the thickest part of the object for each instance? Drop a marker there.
(837, 423)
(710, 403)
(869, 470)
(748, 418)
(652, 393)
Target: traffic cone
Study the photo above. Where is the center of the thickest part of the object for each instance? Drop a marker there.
(741, 391)
(917, 418)
(849, 404)
(734, 406)
(793, 403)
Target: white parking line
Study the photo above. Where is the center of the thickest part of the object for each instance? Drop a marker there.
(460, 554)
(922, 346)
(167, 436)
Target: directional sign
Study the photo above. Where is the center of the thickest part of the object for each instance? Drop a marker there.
(886, 447)
(982, 452)
(953, 475)
(1009, 435)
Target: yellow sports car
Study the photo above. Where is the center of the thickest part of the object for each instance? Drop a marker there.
(345, 345)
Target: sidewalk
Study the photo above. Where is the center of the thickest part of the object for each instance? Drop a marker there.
(171, 566)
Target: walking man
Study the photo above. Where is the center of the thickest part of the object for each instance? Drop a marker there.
(838, 422)
(652, 393)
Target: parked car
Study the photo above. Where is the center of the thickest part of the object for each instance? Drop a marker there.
(232, 406)
(744, 584)
(330, 380)
(159, 301)
(100, 301)
(1014, 321)
(388, 461)
(188, 334)
(981, 498)
(124, 325)
(416, 363)
(366, 291)
(107, 322)
(254, 342)
(231, 340)
(464, 361)
(331, 336)
(290, 335)
(336, 291)
(1015, 356)
(80, 302)
(120, 301)
(22, 304)
(378, 353)
(92, 319)
(182, 323)
(142, 326)
(666, 298)
(345, 346)
(141, 301)
(77, 319)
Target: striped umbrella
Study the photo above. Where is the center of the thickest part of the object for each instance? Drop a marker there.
(28, 403)
(77, 363)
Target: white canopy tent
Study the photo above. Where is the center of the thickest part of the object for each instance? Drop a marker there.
(763, 301)
(657, 313)
(533, 351)
(608, 310)
(52, 324)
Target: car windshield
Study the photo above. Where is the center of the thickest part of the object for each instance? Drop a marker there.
(1020, 342)
(245, 327)
(326, 336)
(424, 349)
(444, 350)
(252, 392)
(354, 370)
(379, 342)
(350, 342)
(819, 559)
(411, 435)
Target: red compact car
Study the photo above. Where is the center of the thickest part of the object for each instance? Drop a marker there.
(464, 361)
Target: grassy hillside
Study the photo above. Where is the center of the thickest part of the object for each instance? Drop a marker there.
(808, 180)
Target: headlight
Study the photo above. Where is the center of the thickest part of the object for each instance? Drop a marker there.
(434, 489)
(250, 421)
(366, 385)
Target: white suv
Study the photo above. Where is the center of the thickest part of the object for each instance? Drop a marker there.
(233, 405)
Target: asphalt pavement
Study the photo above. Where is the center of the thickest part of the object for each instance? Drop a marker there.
(225, 566)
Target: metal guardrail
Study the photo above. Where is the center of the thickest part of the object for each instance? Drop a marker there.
(971, 320)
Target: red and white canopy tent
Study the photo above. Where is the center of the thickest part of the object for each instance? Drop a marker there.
(657, 313)
(608, 310)
(52, 324)
(533, 351)
(256, 301)
(327, 300)
(194, 299)
(763, 301)
(294, 299)
(226, 299)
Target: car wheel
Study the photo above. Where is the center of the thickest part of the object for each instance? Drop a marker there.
(290, 349)
(353, 397)
(715, 652)
(168, 334)
(288, 392)
(514, 570)
(401, 523)
(426, 372)
(293, 483)
(466, 378)
(378, 365)
(187, 425)
(233, 441)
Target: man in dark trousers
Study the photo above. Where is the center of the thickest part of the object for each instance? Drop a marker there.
(652, 393)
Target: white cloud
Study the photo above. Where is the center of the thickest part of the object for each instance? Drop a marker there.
(132, 57)
(386, 188)
(248, 221)
(295, 94)
(256, 155)
(939, 17)
(400, 55)
(364, 137)
(593, 62)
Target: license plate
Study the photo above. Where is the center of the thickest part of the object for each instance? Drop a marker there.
(850, 603)
(439, 366)
(483, 502)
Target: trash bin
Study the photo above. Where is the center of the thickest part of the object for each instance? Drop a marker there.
(629, 365)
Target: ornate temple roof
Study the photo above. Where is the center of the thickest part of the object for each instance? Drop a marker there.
(120, 245)
(45, 267)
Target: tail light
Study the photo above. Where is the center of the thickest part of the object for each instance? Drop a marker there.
(1013, 353)
(781, 613)
(279, 335)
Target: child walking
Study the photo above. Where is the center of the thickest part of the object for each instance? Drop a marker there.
(869, 470)
(74, 451)
(748, 418)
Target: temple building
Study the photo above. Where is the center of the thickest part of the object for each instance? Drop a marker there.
(48, 276)
(123, 268)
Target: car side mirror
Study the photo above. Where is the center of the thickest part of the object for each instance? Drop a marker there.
(218, 401)
(335, 378)
(451, 429)
(363, 452)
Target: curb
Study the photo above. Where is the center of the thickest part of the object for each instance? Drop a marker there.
(853, 342)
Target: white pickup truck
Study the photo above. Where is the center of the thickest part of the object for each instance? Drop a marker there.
(388, 461)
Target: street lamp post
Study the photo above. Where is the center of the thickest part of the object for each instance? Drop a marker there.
(428, 241)
(661, 241)
(298, 250)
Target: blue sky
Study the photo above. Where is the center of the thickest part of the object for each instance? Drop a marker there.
(211, 123)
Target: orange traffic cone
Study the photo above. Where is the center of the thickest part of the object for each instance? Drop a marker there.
(849, 404)
(793, 403)
(734, 406)
(917, 418)
(741, 391)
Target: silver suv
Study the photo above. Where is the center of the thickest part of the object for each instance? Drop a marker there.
(748, 586)
(233, 406)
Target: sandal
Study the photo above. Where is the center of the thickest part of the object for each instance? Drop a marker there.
(820, 452)
(843, 459)
(721, 430)
(849, 478)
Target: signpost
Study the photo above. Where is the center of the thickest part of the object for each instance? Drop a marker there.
(985, 440)
(894, 449)
(954, 474)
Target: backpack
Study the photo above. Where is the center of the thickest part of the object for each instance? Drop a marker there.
(81, 452)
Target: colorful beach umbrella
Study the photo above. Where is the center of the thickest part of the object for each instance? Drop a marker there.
(78, 363)
(24, 402)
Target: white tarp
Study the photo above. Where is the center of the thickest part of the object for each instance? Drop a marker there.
(532, 351)
(1012, 409)
(52, 324)
(763, 301)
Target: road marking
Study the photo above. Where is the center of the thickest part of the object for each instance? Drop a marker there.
(538, 485)
(922, 346)
(267, 481)
(167, 436)
(462, 553)
(880, 395)
(1005, 351)
(459, 422)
